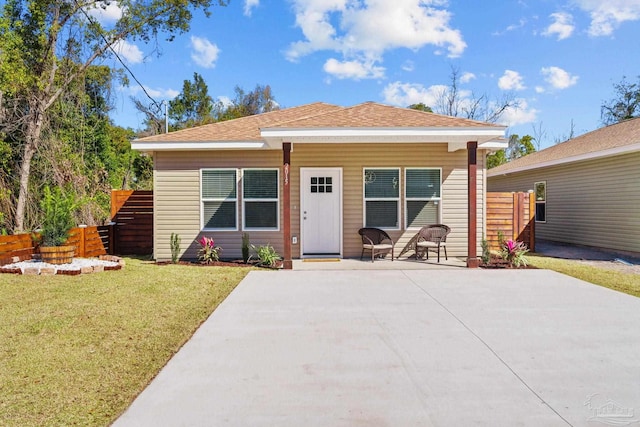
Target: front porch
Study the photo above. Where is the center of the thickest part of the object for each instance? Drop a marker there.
(329, 264)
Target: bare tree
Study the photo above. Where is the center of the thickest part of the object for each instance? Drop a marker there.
(458, 103)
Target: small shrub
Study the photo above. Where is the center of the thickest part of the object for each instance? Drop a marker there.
(486, 254)
(58, 209)
(513, 252)
(208, 251)
(245, 247)
(174, 242)
(267, 255)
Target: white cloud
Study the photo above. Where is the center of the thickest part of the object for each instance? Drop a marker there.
(562, 26)
(128, 51)
(467, 77)
(157, 93)
(225, 100)
(520, 115)
(105, 12)
(408, 66)
(405, 94)
(355, 70)
(204, 53)
(511, 80)
(364, 30)
(511, 27)
(249, 5)
(558, 78)
(606, 16)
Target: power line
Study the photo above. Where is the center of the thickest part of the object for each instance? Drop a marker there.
(110, 47)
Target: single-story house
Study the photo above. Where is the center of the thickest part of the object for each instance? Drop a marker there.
(587, 188)
(305, 179)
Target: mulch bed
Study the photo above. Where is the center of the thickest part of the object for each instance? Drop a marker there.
(499, 263)
(232, 263)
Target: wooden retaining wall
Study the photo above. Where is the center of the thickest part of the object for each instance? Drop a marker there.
(513, 214)
(89, 242)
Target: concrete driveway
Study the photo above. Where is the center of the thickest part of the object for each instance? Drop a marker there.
(405, 348)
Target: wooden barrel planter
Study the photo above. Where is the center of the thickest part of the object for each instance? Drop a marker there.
(57, 254)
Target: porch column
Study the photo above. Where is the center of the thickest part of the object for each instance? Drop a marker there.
(286, 204)
(472, 168)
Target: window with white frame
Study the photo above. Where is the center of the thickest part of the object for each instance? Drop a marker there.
(541, 201)
(218, 192)
(260, 199)
(422, 196)
(382, 197)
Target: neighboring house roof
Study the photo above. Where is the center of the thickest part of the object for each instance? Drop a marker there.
(320, 122)
(619, 138)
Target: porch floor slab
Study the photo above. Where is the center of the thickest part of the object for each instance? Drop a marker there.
(310, 264)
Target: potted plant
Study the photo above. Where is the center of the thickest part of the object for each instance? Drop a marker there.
(57, 207)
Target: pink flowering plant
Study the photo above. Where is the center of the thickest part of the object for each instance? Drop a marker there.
(208, 251)
(513, 252)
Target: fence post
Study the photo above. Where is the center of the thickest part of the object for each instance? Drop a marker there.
(532, 221)
(112, 238)
(81, 249)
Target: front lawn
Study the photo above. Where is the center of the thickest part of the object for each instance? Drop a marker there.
(76, 350)
(624, 282)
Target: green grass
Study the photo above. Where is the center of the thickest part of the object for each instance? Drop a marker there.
(76, 350)
(624, 282)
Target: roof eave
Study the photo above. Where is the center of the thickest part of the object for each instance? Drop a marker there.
(578, 158)
(275, 136)
(152, 146)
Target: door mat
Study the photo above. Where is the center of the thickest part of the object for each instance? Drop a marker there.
(321, 260)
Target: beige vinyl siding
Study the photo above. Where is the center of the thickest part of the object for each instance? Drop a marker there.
(353, 158)
(177, 193)
(593, 203)
(177, 201)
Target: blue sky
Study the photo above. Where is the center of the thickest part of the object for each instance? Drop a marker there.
(560, 59)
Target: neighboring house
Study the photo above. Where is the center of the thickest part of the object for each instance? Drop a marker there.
(587, 188)
(305, 179)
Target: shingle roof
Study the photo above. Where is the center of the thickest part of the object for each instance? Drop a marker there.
(244, 128)
(374, 115)
(317, 115)
(591, 144)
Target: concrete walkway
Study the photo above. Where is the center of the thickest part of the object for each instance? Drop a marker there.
(441, 347)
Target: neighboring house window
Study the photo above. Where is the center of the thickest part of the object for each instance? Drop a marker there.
(219, 199)
(382, 198)
(541, 201)
(260, 199)
(422, 197)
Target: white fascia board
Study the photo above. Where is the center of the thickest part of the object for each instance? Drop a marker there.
(581, 157)
(430, 134)
(197, 146)
(493, 146)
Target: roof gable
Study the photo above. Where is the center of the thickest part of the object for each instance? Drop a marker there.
(610, 140)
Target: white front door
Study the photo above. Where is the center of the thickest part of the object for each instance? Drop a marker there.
(321, 211)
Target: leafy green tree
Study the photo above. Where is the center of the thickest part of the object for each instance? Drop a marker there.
(193, 106)
(260, 100)
(518, 147)
(47, 45)
(421, 107)
(625, 105)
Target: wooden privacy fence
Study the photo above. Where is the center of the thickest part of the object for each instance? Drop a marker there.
(132, 213)
(512, 214)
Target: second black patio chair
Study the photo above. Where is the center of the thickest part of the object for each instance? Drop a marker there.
(432, 237)
(376, 241)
